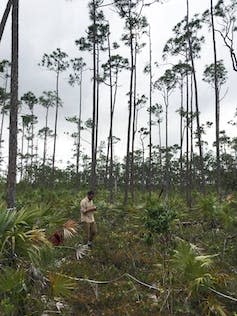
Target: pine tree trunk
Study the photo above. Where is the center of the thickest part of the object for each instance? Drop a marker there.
(45, 135)
(1, 131)
(187, 143)
(133, 125)
(32, 141)
(191, 141)
(5, 17)
(150, 120)
(79, 129)
(97, 113)
(93, 134)
(110, 140)
(56, 123)
(201, 165)
(11, 177)
(127, 167)
(3, 117)
(217, 104)
(181, 130)
(166, 101)
(22, 149)
(160, 154)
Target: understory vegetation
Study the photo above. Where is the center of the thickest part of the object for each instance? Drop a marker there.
(156, 257)
(149, 124)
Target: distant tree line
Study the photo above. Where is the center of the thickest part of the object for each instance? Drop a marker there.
(186, 166)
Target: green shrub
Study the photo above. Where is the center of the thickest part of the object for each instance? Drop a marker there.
(159, 220)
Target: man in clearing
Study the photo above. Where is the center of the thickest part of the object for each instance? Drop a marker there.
(87, 218)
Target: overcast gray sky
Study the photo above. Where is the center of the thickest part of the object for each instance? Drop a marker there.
(46, 25)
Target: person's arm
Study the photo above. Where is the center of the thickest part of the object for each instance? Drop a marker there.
(91, 208)
(85, 209)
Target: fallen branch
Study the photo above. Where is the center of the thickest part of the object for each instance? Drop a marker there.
(125, 275)
(223, 295)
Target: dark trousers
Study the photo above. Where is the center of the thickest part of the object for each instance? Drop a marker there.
(90, 230)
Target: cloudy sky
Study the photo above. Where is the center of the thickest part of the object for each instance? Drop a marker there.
(48, 24)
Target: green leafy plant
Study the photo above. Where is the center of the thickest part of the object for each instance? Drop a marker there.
(191, 266)
(12, 290)
(61, 285)
(159, 220)
(195, 274)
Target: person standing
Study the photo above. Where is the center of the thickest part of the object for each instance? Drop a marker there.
(87, 218)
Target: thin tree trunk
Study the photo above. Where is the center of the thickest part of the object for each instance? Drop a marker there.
(191, 171)
(97, 112)
(191, 139)
(166, 101)
(3, 116)
(79, 129)
(133, 124)
(32, 140)
(36, 154)
(143, 164)
(129, 115)
(2, 122)
(28, 149)
(217, 104)
(110, 140)
(93, 134)
(22, 149)
(187, 143)
(160, 154)
(196, 103)
(106, 182)
(5, 17)
(45, 135)
(11, 177)
(181, 130)
(56, 123)
(150, 121)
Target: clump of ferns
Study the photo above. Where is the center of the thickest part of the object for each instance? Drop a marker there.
(195, 275)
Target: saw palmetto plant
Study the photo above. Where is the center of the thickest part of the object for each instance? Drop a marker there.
(69, 229)
(61, 286)
(25, 253)
(19, 234)
(195, 274)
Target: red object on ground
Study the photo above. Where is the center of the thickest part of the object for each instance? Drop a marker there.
(57, 238)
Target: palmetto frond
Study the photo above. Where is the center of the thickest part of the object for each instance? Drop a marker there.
(17, 232)
(61, 285)
(212, 306)
(37, 236)
(11, 280)
(205, 261)
(192, 267)
(81, 251)
(69, 229)
(7, 219)
(43, 256)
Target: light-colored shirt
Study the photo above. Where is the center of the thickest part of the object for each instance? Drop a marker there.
(87, 217)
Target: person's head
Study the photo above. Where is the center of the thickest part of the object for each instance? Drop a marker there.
(90, 195)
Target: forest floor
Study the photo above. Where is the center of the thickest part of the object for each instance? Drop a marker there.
(156, 257)
(138, 266)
